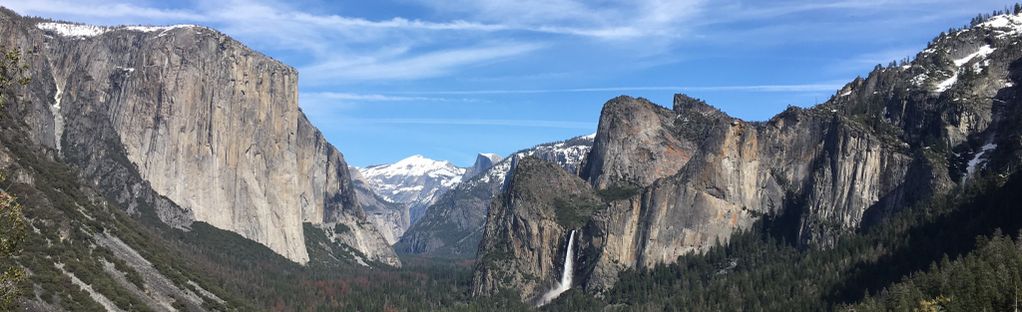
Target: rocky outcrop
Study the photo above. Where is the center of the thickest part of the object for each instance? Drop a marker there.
(483, 162)
(525, 238)
(390, 218)
(186, 123)
(678, 181)
(453, 226)
(637, 142)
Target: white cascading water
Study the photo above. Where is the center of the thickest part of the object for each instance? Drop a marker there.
(565, 284)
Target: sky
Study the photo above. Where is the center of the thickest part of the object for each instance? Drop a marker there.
(387, 79)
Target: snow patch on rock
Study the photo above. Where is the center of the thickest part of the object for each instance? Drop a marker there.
(983, 52)
(58, 119)
(82, 31)
(947, 83)
(1004, 25)
(978, 159)
(73, 30)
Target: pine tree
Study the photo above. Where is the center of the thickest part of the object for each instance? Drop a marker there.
(12, 232)
(12, 222)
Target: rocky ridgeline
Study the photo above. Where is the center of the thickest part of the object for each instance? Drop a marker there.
(415, 182)
(677, 181)
(453, 226)
(190, 125)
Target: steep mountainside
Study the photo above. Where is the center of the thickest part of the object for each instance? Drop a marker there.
(680, 181)
(83, 253)
(190, 123)
(542, 204)
(453, 226)
(390, 218)
(415, 181)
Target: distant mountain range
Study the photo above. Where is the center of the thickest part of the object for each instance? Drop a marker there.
(452, 226)
(407, 187)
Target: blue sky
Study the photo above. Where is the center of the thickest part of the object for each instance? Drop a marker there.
(449, 79)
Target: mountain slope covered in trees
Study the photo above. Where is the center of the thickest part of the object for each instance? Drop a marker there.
(688, 180)
(899, 193)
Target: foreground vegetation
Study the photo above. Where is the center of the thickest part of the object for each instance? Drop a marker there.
(947, 254)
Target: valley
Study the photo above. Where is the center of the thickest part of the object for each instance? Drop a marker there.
(171, 168)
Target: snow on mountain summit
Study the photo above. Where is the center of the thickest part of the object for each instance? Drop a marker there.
(84, 31)
(416, 165)
(416, 181)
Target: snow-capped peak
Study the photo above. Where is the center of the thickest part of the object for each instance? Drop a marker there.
(569, 154)
(416, 180)
(1005, 24)
(491, 156)
(83, 31)
(415, 165)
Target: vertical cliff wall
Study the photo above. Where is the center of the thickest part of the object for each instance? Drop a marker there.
(207, 128)
(681, 180)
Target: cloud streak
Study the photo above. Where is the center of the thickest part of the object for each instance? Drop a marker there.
(814, 87)
(344, 50)
(101, 10)
(403, 67)
(559, 124)
(344, 96)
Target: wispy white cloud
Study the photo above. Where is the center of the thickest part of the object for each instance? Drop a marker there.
(560, 124)
(813, 87)
(603, 20)
(340, 49)
(337, 49)
(337, 104)
(344, 96)
(105, 9)
(402, 67)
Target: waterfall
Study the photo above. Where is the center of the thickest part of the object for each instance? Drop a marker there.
(566, 272)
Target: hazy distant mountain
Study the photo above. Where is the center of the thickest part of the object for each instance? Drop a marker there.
(415, 181)
(390, 218)
(483, 162)
(452, 226)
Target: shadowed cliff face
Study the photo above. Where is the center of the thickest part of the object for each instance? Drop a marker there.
(189, 123)
(527, 228)
(390, 218)
(678, 181)
(453, 226)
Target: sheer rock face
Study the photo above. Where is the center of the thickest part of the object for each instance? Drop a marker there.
(635, 145)
(525, 239)
(679, 181)
(483, 162)
(390, 218)
(187, 123)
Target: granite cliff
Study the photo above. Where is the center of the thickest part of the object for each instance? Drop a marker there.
(453, 226)
(681, 180)
(187, 124)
